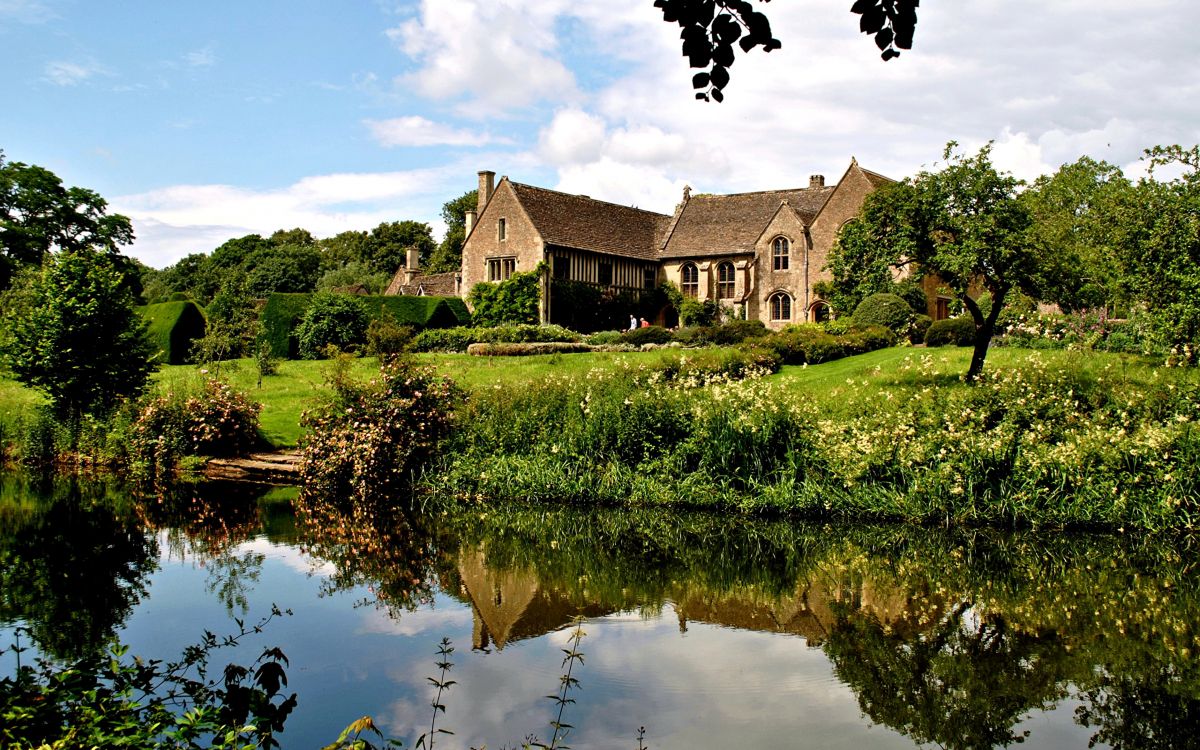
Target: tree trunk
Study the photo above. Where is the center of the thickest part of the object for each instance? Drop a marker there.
(985, 328)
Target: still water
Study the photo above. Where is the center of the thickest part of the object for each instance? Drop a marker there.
(709, 632)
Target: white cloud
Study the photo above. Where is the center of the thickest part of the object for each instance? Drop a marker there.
(201, 58)
(25, 11)
(66, 73)
(419, 131)
(496, 55)
(174, 221)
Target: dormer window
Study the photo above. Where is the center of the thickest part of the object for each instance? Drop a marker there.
(780, 251)
(501, 230)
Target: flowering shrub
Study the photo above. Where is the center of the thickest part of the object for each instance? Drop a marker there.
(212, 420)
(371, 437)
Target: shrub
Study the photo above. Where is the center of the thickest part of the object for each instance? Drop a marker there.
(604, 337)
(737, 331)
(958, 331)
(514, 300)
(211, 420)
(912, 293)
(370, 439)
(868, 339)
(444, 340)
(886, 310)
(481, 349)
(386, 337)
(838, 326)
(695, 335)
(458, 339)
(280, 316)
(337, 319)
(693, 312)
(647, 335)
(918, 329)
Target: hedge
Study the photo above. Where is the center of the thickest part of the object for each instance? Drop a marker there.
(481, 349)
(959, 331)
(172, 327)
(282, 314)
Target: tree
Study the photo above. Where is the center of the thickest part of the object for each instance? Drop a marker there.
(1159, 228)
(448, 256)
(73, 334)
(391, 241)
(283, 268)
(345, 248)
(711, 27)
(39, 215)
(1073, 212)
(966, 225)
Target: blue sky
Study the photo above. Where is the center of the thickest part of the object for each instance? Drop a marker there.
(204, 121)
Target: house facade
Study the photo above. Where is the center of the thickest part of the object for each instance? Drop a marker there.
(758, 254)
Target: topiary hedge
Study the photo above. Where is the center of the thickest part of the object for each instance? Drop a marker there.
(888, 310)
(959, 331)
(172, 327)
(282, 314)
(458, 339)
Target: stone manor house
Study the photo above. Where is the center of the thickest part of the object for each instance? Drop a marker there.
(757, 253)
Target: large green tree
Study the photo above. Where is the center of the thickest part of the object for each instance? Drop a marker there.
(39, 215)
(391, 241)
(966, 225)
(448, 256)
(73, 334)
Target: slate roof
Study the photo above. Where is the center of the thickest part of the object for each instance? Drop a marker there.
(431, 285)
(579, 222)
(724, 224)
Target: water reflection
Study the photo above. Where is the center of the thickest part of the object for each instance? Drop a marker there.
(964, 639)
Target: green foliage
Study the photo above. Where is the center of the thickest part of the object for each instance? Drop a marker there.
(448, 256)
(920, 327)
(352, 274)
(911, 292)
(369, 439)
(861, 259)
(514, 300)
(129, 702)
(588, 308)
(332, 319)
(206, 419)
(38, 215)
(74, 335)
(386, 337)
(391, 241)
(172, 327)
(283, 268)
(957, 331)
(647, 335)
(693, 312)
(884, 309)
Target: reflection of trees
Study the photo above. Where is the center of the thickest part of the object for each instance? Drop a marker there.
(385, 549)
(964, 683)
(1152, 712)
(74, 569)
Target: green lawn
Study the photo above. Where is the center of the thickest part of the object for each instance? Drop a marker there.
(297, 385)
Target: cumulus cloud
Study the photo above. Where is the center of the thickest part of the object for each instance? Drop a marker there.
(419, 131)
(174, 221)
(496, 54)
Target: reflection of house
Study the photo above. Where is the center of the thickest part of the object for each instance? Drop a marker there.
(758, 253)
(512, 605)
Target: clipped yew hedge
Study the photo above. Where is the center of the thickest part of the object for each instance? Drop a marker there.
(283, 312)
(172, 327)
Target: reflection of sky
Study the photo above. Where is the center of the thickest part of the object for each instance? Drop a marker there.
(711, 687)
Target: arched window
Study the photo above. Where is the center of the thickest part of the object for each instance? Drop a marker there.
(780, 251)
(820, 311)
(781, 306)
(689, 277)
(725, 280)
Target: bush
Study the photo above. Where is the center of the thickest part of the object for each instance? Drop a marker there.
(958, 331)
(918, 329)
(693, 312)
(211, 420)
(912, 293)
(386, 337)
(370, 439)
(172, 327)
(886, 310)
(458, 339)
(737, 331)
(647, 335)
(868, 339)
(603, 338)
(332, 319)
(514, 300)
(526, 349)
(695, 335)
(444, 340)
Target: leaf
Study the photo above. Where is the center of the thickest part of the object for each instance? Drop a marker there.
(700, 80)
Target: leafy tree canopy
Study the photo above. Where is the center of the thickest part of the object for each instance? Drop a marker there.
(710, 29)
(38, 215)
(448, 256)
(391, 241)
(73, 333)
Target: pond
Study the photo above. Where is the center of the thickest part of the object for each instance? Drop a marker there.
(708, 631)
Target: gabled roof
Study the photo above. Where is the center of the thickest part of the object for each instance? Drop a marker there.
(579, 222)
(724, 224)
(430, 285)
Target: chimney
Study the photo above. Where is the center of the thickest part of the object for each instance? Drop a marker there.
(413, 265)
(487, 185)
(470, 222)
(816, 181)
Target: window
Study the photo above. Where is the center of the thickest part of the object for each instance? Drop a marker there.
(499, 269)
(725, 280)
(781, 306)
(605, 273)
(780, 252)
(689, 279)
(562, 267)
(649, 277)
(501, 230)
